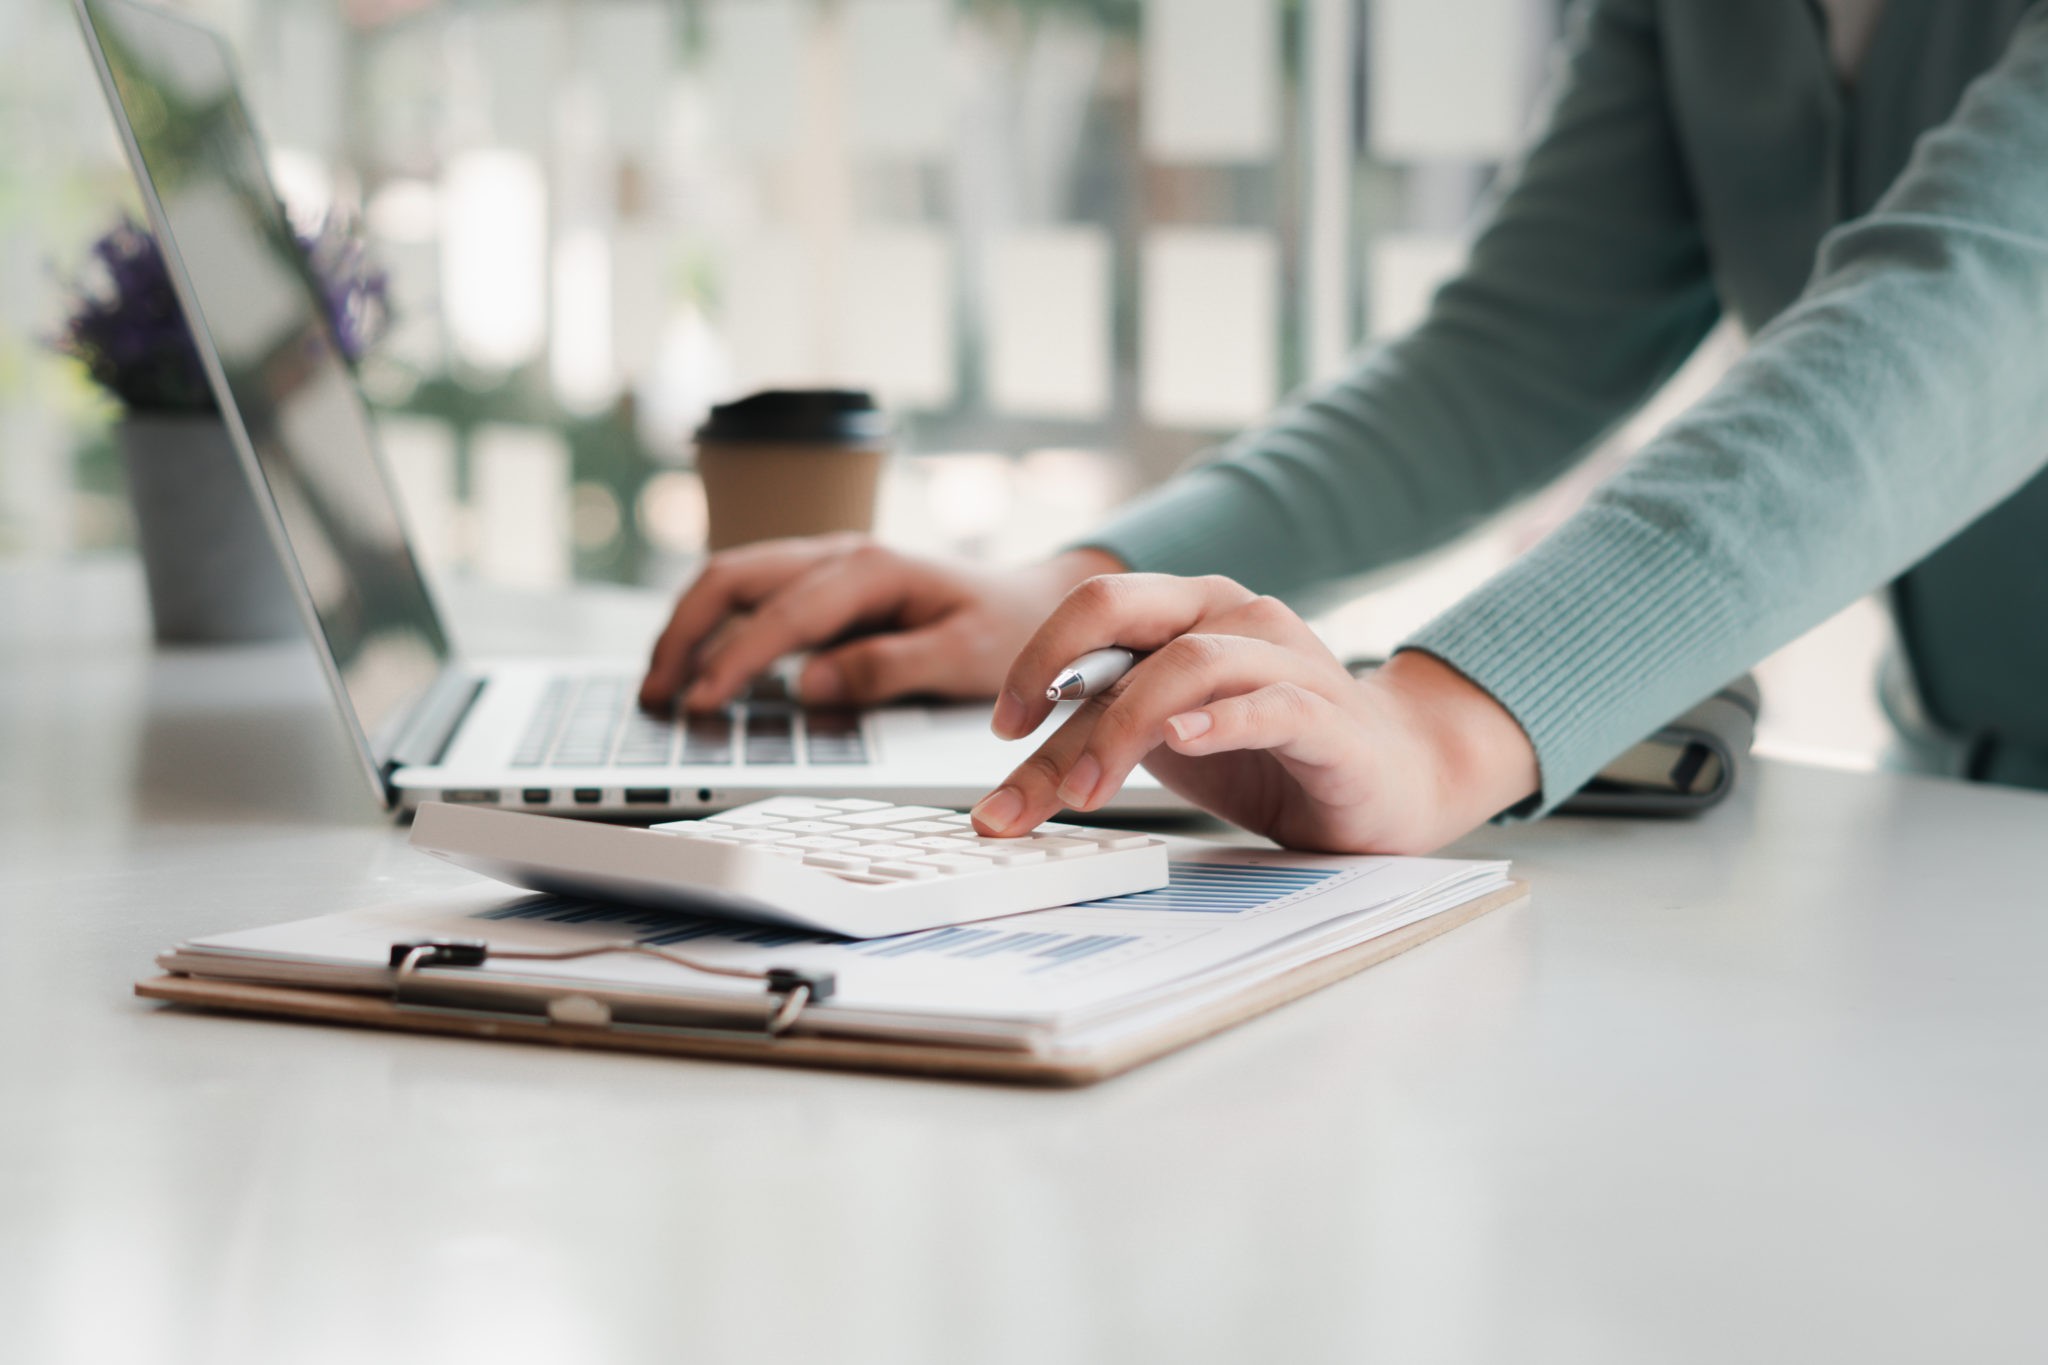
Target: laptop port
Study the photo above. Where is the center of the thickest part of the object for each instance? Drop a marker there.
(470, 796)
(536, 796)
(647, 796)
(589, 796)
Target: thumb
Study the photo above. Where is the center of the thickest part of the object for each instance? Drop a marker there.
(881, 668)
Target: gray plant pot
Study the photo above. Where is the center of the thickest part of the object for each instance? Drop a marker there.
(213, 575)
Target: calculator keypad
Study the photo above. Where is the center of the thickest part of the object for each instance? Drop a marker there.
(872, 841)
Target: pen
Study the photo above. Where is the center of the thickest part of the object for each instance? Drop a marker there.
(1091, 675)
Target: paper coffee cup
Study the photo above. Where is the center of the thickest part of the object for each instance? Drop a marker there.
(792, 462)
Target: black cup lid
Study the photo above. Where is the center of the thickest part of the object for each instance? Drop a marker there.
(834, 416)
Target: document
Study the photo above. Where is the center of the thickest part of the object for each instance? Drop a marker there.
(1049, 980)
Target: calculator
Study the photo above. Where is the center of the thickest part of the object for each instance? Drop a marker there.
(849, 867)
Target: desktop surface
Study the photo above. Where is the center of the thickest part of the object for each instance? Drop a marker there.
(1766, 1084)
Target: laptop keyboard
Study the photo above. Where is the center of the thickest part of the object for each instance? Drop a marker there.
(595, 722)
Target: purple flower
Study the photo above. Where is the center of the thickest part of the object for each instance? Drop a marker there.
(127, 330)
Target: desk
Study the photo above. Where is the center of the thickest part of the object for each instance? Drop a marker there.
(1772, 1085)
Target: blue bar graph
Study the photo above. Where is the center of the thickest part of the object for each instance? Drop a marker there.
(1219, 889)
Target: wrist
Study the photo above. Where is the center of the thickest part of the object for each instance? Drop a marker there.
(1481, 758)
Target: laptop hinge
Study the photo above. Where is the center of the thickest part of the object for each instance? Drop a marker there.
(440, 714)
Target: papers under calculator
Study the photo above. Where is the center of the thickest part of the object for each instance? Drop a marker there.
(1070, 994)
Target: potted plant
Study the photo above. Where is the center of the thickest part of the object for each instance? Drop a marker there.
(213, 575)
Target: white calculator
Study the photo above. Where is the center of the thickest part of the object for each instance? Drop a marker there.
(858, 868)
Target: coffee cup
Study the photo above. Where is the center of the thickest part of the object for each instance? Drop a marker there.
(792, 462)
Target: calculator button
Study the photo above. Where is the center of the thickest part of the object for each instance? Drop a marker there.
(903, 872)
(896, 851)
(1066, 848)
(819, 843)
(935, 843)
(799, 810)
(836, 862)
(1111, 839)
(809, 827)
(1014, 857)
(856, 803)
(745, 817)
(955, 862)
(925, 827)
(894, 815)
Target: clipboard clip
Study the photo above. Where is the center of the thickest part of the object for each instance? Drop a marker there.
(789, 989)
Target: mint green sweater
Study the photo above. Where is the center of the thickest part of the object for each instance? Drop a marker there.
(1886, 247)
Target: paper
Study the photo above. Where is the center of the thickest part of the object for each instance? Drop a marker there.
(1047, 296)
(1448, 79)
(1230, 916)
(1208, 355)
(1211, 78)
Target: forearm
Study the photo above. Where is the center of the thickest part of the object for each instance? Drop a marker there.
(1898, 401)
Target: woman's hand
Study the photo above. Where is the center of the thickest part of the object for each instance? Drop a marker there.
(1241, 708)
(922, 627)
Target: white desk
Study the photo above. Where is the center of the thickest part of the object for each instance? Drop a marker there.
(1773, 1085)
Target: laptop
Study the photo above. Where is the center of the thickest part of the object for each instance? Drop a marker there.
(562, 736)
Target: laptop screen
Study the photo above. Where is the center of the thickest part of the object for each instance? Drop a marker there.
(293, 391)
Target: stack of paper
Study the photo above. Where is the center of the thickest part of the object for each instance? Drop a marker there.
(1054, 982)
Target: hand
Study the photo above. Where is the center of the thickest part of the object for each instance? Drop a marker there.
(1241, 708)
(924, 627)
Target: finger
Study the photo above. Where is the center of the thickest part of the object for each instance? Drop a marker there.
(1138, 611)
(818, 605)
(731, 581)
(881, 668)
(1185, 674)
(1267, 618)
(1306, 731)
(1028, 797)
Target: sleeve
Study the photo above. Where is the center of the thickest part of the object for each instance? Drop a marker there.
(1901, 397)
(1587, 287)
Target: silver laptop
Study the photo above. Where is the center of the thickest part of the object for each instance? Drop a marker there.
(559, 736)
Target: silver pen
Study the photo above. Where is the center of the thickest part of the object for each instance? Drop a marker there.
(1091, 675)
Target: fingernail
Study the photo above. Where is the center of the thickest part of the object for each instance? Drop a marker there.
(1191, 725)
(1081, 780)
(999, 809)
(821, 684)
(1008, 721)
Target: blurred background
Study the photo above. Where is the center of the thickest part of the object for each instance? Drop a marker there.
(1072, 243)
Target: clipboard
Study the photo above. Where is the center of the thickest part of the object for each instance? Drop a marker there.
(792, 1046)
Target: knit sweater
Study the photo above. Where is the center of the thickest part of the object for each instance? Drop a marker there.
(1887, 249)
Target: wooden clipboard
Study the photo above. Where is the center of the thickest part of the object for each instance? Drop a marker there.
(1083, 1067)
